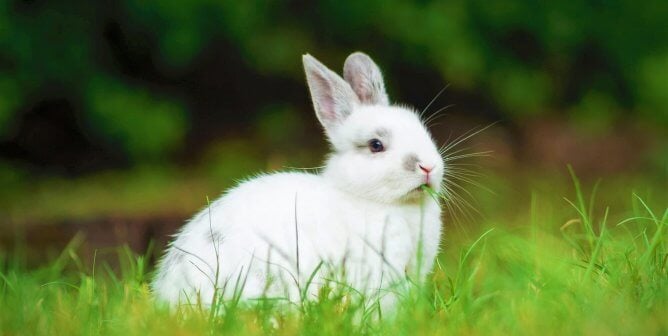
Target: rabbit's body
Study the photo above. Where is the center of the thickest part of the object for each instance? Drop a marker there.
(257, 241)
(364, 220)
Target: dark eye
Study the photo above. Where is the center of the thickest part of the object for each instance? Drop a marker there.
(376, 146)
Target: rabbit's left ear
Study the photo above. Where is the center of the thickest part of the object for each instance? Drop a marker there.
(365, 78)
(333, 99)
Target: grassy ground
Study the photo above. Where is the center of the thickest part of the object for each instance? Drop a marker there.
(538, 264)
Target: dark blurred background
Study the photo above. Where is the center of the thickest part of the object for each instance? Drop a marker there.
(119, 118)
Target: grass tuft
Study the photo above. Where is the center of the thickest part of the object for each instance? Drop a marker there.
(550, 266)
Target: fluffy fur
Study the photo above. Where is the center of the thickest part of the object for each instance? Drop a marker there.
(364, 217)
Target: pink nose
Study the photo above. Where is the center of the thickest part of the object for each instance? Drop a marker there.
(425, 168)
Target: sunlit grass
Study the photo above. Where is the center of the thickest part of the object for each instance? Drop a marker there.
(558, 266)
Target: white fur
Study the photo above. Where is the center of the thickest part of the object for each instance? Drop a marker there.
(364, 218)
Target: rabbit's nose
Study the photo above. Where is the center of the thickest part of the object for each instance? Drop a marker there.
(426, 168)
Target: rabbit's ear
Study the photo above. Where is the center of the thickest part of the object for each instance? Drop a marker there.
(333, 98)
(365, 78)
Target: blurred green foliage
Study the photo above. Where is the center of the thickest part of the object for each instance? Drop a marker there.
(144, 124)
(596, 60)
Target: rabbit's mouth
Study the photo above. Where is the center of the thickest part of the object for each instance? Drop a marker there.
(414, 195)
(420, 189)
(427, 185)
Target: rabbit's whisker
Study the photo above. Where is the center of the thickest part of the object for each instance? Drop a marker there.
(460, 200)
(469, 155)
(433, 100)
(434, 116)
(465, 136)
(469, 181)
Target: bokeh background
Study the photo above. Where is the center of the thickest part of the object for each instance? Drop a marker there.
(119, 118)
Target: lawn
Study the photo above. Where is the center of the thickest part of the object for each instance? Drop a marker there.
(550, 255)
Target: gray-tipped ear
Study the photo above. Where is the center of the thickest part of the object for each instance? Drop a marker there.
(333, 98)
(365, 78)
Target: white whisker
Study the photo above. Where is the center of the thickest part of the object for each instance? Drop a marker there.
(434, 116)
(467, 135)
(433, 100)
(469, 155)
(460, 201)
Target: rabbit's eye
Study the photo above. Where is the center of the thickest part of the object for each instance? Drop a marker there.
(376, 146)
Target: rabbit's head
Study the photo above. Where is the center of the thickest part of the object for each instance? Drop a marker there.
(381, 152)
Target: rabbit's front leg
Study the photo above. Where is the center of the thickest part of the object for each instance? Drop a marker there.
(396, 254)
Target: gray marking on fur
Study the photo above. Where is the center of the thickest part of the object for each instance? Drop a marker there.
(382, 132)
(410, 162)
(215, 236)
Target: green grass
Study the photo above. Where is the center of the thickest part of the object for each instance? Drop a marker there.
(540, 265)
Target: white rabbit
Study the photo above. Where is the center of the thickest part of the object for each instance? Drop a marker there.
(364, 217)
